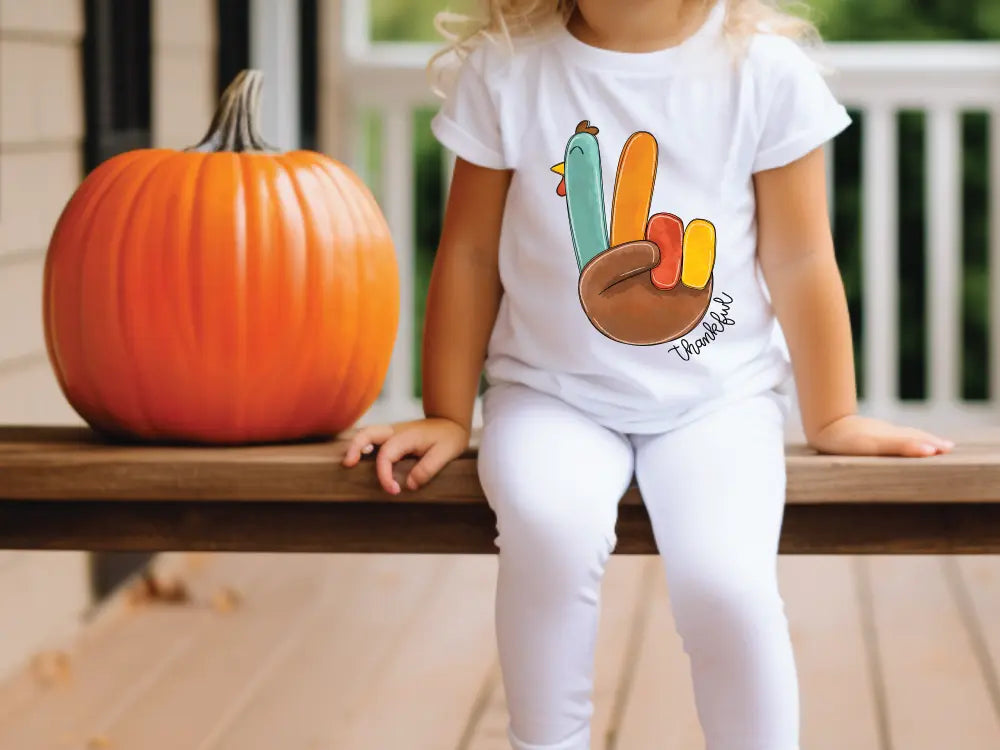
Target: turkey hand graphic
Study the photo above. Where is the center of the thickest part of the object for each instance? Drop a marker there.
(652, 282)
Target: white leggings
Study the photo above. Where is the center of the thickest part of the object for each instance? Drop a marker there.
(714, 490)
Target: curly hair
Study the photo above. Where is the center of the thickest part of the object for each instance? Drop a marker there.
(505, 20)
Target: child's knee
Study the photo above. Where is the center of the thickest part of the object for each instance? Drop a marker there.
(554, 541)
(716, 602)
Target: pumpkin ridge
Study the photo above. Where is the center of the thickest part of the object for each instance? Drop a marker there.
(356, 183)
(284, 252)
(242, 363)
(345, 397)
(78, 210)
(268, 352)
(369, 310)
(345, 355)
(87, 246)
(217, 252)
(193, 303)
(177, 191)
(312, 298)
(125, 328)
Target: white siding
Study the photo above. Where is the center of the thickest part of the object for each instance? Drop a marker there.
(36, 180)
(42, 594)
(184, 41)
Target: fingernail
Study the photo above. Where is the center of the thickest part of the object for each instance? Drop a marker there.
(368, 449)
(411, 484)
(928, 448)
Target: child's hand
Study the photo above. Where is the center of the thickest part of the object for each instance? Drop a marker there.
(861, 436)
(437, 441)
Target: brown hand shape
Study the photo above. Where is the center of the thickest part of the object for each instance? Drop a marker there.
(618, 294)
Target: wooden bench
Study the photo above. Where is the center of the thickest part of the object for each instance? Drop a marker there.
(63, 488)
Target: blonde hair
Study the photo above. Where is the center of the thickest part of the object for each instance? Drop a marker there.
(507, 19)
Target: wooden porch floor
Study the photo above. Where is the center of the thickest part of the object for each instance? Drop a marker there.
(375, 652)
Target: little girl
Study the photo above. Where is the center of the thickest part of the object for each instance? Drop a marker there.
(638, 201)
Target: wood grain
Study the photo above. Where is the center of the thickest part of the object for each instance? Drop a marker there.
(838, 709)
(935, 692)
(423, 699)
(118, 658)
(70, 463)
(329, 679)
(975, 582)
(193, 693)
(660, 709)
(151, 676)
(624, 590)
(64, 488)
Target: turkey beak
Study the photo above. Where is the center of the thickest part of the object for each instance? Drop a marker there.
(560, 169)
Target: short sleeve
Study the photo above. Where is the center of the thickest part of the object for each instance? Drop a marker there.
(797, 111)
(468, 122)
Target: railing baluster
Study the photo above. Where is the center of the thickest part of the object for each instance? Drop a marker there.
(357, 28)
(880, 282)
(994, 263)
(274, 49)
(397, 194)
(943, 206)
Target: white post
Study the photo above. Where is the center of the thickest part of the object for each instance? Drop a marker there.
(332, 92)
(880, 270)
(398, 201)
(274, 50)
(356, 28)
(943, 201)
(994, 255)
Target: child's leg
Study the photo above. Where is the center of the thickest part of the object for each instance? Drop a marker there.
(554, 479)
(715, 492)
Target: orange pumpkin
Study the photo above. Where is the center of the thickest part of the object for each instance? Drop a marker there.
(222, 294)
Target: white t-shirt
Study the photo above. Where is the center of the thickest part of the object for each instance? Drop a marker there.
(628, 255)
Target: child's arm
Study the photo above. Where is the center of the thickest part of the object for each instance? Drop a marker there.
(464, 292)
(795, 248)
(462, 304)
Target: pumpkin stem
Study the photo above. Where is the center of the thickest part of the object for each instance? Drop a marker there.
(234, 126)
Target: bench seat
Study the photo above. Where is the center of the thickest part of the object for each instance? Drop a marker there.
(65, 488)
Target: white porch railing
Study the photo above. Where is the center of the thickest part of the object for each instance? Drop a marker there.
(944, 80)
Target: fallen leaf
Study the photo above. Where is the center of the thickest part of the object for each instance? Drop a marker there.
(149, 588)
(226, 599)
(51, 667)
